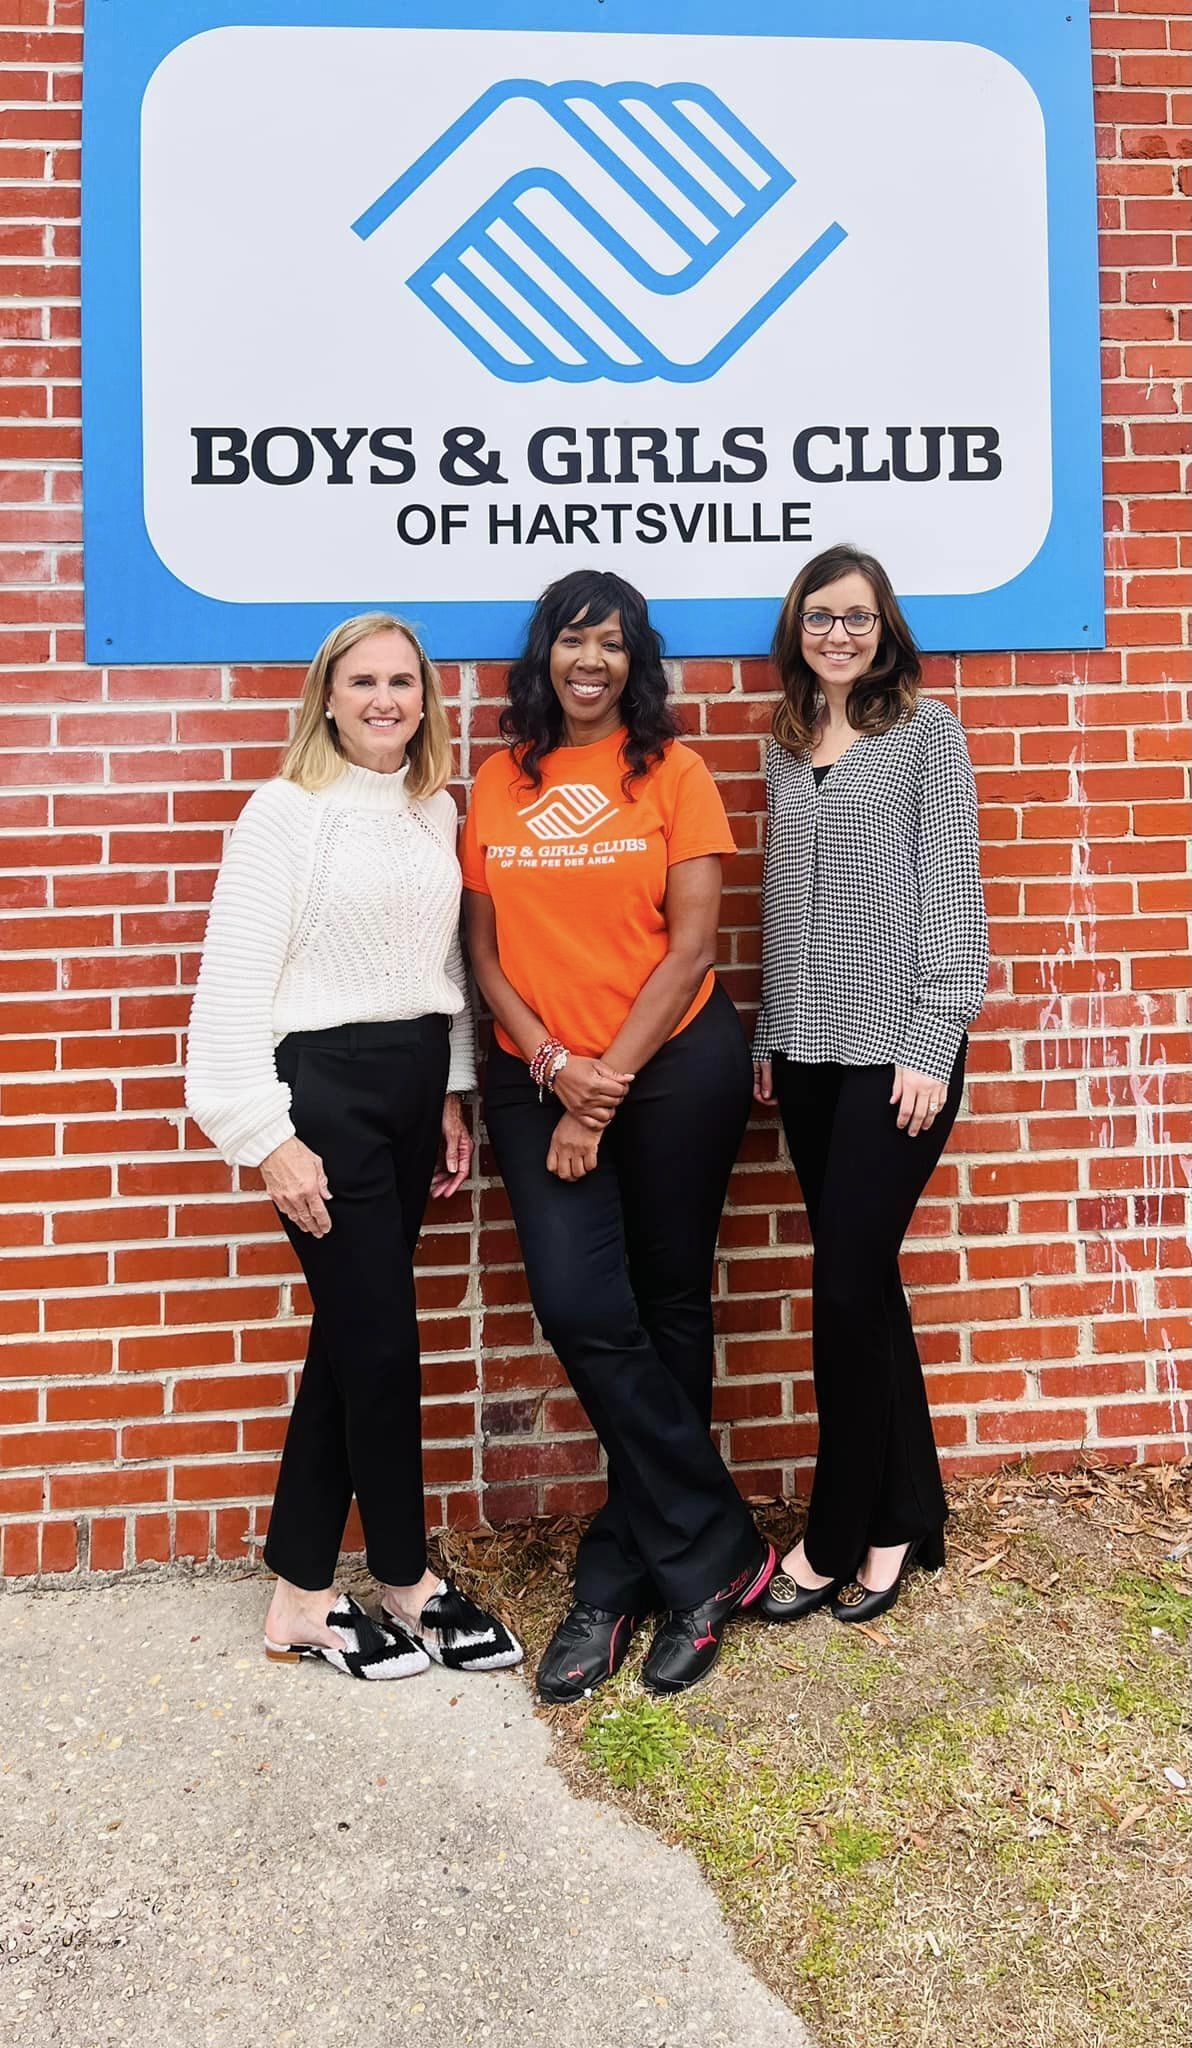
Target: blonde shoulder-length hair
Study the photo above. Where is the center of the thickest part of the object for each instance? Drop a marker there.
(315, 758)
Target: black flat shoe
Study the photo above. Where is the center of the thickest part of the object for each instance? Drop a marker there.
(586, 1649)
(786, 1600)
(856, 1602)
(688, 1642)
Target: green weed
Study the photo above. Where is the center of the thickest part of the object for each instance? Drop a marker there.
(851, 1845)
(638, 1743)
(1153, 1603)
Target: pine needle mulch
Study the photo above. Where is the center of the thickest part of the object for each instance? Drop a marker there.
(971, 1822)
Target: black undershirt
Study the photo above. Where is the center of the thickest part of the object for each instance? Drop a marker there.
(819, 773)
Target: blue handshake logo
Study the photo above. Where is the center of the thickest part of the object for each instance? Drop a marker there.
(577, 266)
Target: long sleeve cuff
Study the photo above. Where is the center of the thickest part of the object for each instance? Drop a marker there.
(243, 1133)
(461, 1074)
(931, 1044)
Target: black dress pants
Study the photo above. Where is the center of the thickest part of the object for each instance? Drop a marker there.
(368, 1098)
(877, 1475)
(620, 1270)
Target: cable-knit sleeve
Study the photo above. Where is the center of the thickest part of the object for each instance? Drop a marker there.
(953, 948)
(461, 1075)
(763, 1044)
(232, 1088)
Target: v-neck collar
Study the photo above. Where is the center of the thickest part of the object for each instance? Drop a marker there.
(833, 766)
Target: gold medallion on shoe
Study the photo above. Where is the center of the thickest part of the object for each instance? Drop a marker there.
(857, 1602)
(786, 1600)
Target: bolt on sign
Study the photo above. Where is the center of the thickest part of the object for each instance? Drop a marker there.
(425, 303)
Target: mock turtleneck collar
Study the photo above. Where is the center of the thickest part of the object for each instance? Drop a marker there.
(366, 789)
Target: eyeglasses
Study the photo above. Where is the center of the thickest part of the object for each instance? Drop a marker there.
(855, 623)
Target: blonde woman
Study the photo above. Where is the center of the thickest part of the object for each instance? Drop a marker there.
(329, 1042)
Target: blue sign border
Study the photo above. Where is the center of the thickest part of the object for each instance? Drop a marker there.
(138, 611)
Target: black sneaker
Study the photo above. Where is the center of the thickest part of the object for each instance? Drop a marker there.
(688, 1642)
(588, 1646)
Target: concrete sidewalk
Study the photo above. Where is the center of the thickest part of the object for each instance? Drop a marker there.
(202, 1850)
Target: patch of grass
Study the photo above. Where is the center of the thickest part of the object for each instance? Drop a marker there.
(1013, 1589)
(1142, 1697)
(636, 1743)
(864, 1672)
(823, 1956)
(851, 1845)
(959, 1827)
(1154, 1603)
(1147, 1691)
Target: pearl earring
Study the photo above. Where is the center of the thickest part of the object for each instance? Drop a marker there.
(329, 713)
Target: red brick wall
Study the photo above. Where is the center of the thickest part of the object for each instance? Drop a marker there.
(151, 1312)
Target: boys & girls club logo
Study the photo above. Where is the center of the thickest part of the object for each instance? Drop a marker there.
(571, 811)
(547, 280)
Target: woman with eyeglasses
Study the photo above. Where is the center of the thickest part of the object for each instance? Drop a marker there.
(875, 957)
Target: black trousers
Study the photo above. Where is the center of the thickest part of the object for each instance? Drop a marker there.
(620, 1271)
(877, 1474)
(368, 1098)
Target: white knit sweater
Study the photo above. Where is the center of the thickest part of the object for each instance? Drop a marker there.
(335, 906)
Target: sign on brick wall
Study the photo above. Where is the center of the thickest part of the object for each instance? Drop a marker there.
(424, 304)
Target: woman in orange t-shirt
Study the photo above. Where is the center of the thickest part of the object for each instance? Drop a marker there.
(616, 1096)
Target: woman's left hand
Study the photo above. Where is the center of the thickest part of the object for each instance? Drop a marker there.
(919, 1098)
(573, 1148)
(455, 1156)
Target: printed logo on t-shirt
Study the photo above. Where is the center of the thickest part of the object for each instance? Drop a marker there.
(569, 812)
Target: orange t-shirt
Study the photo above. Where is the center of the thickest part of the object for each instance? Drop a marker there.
(577, 874)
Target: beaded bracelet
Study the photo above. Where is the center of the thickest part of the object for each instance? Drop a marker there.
(558, 1062)
(541, 1062)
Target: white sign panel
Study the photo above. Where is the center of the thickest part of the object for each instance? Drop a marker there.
(430, 315)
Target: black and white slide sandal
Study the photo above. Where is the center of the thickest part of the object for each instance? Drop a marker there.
(459, 1635)
(371, 1649)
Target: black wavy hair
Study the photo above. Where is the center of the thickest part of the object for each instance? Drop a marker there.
(532, 720)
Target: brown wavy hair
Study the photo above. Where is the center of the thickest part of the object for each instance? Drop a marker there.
(889, 688)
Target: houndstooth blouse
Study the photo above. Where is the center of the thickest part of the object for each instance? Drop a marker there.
(875, 945)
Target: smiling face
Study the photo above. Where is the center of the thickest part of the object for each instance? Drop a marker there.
(375, 699)
(589, 668)
(838, 658)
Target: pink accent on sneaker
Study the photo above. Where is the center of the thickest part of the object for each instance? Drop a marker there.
(612, 1645)
(763, 1578)
(577, 1673)
(703, 1642)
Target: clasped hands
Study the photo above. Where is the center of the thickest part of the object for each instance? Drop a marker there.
(591, 1093)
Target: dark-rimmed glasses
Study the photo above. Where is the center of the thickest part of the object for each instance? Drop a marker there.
(855, 623)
